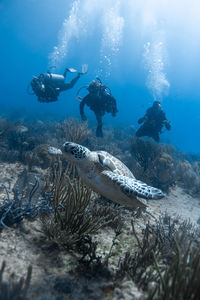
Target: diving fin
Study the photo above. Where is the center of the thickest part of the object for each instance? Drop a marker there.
(84, 69)
(71, 70)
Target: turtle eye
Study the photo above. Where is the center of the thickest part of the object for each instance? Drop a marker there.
(66, 146)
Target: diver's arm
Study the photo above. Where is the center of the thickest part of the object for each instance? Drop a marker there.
(167, 124)
(70, 85)
(82, 104)
(114, 107)
(146, 117)
(65, 72)
(143, 119)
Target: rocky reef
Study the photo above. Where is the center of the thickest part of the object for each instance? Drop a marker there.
(160, 165)
(82, 246)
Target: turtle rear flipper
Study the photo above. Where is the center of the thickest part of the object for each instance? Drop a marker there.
(54, 151)
(134, 187)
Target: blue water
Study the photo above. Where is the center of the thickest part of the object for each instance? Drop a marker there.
(143, 50)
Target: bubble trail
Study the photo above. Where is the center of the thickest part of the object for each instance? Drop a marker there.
(112, 25)
(155, 57)
(70, 29)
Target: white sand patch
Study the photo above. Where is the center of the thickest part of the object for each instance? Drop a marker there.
(177, 203)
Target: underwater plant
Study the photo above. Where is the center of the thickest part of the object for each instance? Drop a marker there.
(180, 280)
(73, 130)
(14, 290)
(22, 205)
(6, 127)
(111, 142)
(71, 218)
(158, 241)
(90, 264)
(109, 211)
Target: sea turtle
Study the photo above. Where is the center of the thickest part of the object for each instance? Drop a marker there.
(107, 175)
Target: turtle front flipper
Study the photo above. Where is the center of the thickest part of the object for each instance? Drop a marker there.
(133, 188)
(54, 151)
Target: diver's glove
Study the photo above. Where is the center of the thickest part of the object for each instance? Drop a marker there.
(141, 120)
(83, 70)
(83, 118)
(168, 125)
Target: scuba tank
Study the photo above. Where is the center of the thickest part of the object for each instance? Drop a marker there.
(46, 86)
(95, 85)
(52, 79)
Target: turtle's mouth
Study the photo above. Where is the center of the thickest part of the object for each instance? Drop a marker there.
(75, 151)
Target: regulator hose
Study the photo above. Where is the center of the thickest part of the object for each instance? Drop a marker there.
(28, 90)
(106, 88)
(79, 98)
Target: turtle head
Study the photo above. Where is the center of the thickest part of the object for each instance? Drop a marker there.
(75, 153)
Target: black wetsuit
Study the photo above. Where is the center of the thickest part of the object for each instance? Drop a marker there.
(67, 86)
(48, 90)
(100, 103)
(154, 120)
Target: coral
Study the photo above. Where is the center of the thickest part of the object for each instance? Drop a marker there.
(38, 157)
(163, 173)
(73, 130)
(10, 156)
(144, 152)
(63, 285)
(17, 138)
(14, 290)
(154, 163)
(90, 264)
(18, 142)
(159, 165)
(6, 127)
(45, 159)
(163, 167)
(108, 143)
(71, 219)
(21, 205)
(188, 175)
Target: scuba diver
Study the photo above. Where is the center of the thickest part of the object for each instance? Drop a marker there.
(153, 120)
(48, 86)
(100, 101)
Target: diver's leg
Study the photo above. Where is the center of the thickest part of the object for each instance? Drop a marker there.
(156, 137)
(51, 93)
(67, 86)
(99, 132)
(65, 72)
(140, 132)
